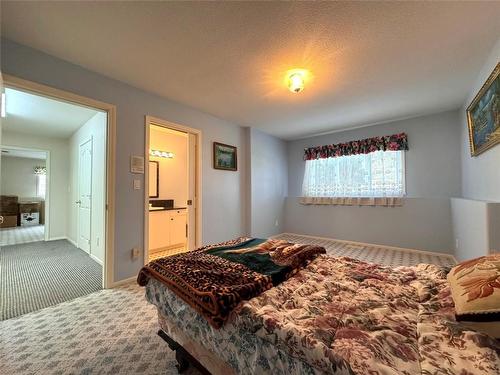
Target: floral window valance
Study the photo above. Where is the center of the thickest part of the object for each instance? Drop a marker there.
(40, 170)
(395, 142)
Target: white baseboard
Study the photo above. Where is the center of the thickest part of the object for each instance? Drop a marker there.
(58, 238)
(123, 282)
(96, 259)
(370, 244)
(72, 242)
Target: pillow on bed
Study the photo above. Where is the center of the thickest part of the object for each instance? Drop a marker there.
(475, 288)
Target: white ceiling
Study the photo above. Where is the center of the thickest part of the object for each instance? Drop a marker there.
(371, 61)
(19, 153)
(38, 115)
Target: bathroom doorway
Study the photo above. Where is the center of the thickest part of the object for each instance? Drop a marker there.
(172, 186)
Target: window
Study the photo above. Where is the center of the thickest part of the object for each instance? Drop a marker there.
(376, 174)
(41, 183)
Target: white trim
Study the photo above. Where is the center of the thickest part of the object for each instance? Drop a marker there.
(110, 109)
(96, 259)
(57, 238)
(150, 120)
(370, 244)
(123, 282)
(72, 242)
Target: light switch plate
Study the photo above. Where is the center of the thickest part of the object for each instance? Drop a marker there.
(137, 184)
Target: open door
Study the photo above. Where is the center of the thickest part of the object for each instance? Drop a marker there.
(84, 201)
(172, 210)
(192, 201)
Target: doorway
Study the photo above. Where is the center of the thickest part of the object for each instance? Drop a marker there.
(24, 195)
(75, 183)
(172, 198)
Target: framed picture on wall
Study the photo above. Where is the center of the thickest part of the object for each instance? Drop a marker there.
(483, 115)
(225, 157)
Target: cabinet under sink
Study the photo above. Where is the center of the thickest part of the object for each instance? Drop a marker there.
(167, 228)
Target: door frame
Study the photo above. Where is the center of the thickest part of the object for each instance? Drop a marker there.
(46, 225)
(110, 109)
(151, 120)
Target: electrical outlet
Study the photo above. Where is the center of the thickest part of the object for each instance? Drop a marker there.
(135, 252)
(137, 184)
(456, 243)
(276, 223)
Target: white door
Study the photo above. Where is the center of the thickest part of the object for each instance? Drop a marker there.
(84, 201)
(192, 198)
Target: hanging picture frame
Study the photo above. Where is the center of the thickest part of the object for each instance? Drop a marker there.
(225, 157)
(483, 115)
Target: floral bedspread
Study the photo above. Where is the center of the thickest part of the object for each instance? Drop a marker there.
(343, 316)
(378, 319)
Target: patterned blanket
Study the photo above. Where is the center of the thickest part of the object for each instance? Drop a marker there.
(216, 278)
(376, 319)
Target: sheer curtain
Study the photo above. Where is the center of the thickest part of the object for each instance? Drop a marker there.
(374, 175)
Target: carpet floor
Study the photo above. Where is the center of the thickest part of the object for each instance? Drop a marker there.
(40, 274)
(17, 235)
(112, 331)
(388, 256)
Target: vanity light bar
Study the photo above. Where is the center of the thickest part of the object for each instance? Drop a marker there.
(161, 154)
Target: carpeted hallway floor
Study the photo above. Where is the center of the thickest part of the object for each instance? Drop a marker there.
(41, 274)
(17, 235)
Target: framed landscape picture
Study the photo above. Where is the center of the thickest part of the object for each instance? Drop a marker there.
(225, 157)
(483, 115)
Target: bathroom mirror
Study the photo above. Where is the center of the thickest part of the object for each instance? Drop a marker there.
(154, 174)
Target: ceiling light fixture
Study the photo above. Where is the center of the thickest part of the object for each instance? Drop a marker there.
(161, 154)
(296, 79)
(3, 112)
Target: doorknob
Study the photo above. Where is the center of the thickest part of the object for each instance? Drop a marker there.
(78, 202)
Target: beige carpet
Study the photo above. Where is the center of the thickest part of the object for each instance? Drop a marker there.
(388, 256)
(112, 331)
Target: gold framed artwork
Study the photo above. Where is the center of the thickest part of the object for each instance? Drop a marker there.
(225, 157)
(483, 115)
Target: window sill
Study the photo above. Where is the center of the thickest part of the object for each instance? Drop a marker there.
(381, 201)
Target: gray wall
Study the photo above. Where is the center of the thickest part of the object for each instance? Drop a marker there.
(268, 165)
(432, 176)
(476, 217)
(481, 174)
(58, 176)
(18, 176)
(224, 193)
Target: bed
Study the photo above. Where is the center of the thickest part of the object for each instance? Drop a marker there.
(330, 315)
